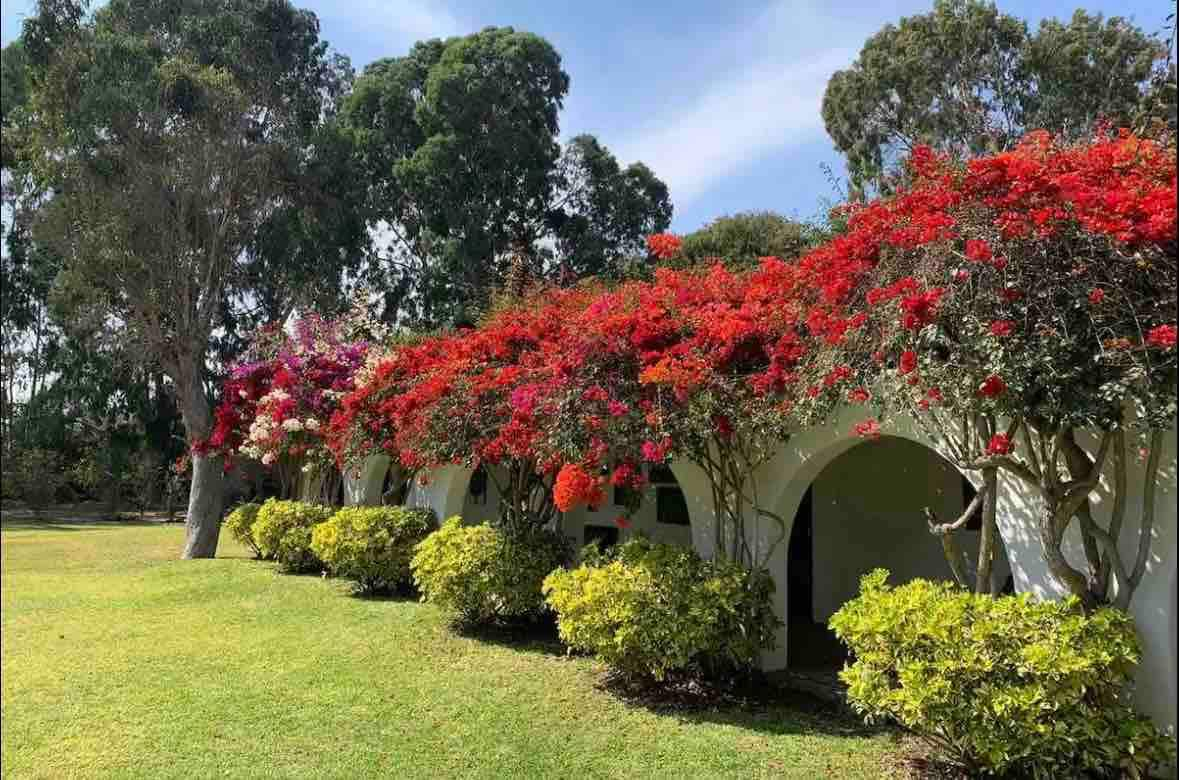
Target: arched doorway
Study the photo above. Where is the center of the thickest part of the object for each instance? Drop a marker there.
(865, 510)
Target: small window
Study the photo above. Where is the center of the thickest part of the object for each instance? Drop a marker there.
(478, 487)
(624, 495)
(605, 535)
(671, 508)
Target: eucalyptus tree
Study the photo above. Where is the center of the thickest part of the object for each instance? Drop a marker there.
(969, 79)
(459, 141)
(169, 137)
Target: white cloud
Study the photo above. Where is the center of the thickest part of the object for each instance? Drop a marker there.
(402, 20)
(417, 19)
(766, 106)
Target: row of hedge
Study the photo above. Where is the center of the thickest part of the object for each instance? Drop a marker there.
(648, 610)
(1008, 686)
(372, 546)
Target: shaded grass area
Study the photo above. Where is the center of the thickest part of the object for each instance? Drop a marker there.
(121, 661)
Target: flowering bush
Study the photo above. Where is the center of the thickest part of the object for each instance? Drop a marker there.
(480, 574)
(473, 397)
(651, 611)
(240, 524)
(279, 398)
(1005, 686)
(282, 532)
(1037, 287)
(371, 545)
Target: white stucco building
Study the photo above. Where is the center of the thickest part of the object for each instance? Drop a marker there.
(855, 505)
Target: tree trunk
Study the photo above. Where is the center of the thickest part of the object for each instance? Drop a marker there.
(1058, 565)
(207, 492)
(203, 524)
(984, 580)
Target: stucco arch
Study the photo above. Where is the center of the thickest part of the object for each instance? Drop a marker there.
(785, 479)
(443, 490)
(364, 483)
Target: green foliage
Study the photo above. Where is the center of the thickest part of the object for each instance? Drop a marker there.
(651, 610)
(968, 79)
(480, 574)
(372, 545)
(240, 524)
(1000, 685)
(34, 476)
(459, 142)
(282, 532)
(739, 240)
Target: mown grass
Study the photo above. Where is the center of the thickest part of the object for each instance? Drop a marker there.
(121, 661)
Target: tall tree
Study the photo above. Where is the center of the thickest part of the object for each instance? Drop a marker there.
(459, 141)
(742, 239)
(968, 79)
(171, 133)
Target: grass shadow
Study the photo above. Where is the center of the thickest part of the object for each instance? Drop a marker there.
(531, 636)
(757, 704)
(55, 524)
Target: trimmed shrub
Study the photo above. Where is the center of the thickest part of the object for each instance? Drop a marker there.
(1006, 686)
(371, 544)
(240, 524)
(480, 574)
(282, 532)
(654, 610)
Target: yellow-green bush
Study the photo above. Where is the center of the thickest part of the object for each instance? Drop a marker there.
(1004, 686)
(282, 532)
(651, 610)
(240, 524)
(480, 574)
(371, 544)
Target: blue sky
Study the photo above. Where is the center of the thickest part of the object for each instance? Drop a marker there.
(720, 99)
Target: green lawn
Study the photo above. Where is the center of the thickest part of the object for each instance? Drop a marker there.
(119, 660)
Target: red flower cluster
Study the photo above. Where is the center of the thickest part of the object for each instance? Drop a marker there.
(664, 245)
(869, 429)
(992, 387)
(575, 486)
(1000, 444)
(1161, 337)
(1002, 328)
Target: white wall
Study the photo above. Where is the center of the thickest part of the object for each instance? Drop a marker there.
(801, 461)
(867, 509)
(644, 521)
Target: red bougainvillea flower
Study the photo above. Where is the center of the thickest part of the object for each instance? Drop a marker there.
(575, 486)
(858, 396)
(1096, 296)
(1161, 337)
(664, 245)
(656, 453)
(920, 310)
(979, 251)
(992, 387)
(961, 275)
(622, 522)
(1000, 444)
(1002, 328)
(869, 429)
(908, 361)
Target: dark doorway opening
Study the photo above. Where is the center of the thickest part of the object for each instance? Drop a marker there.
(810, 645)
(800, 563)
